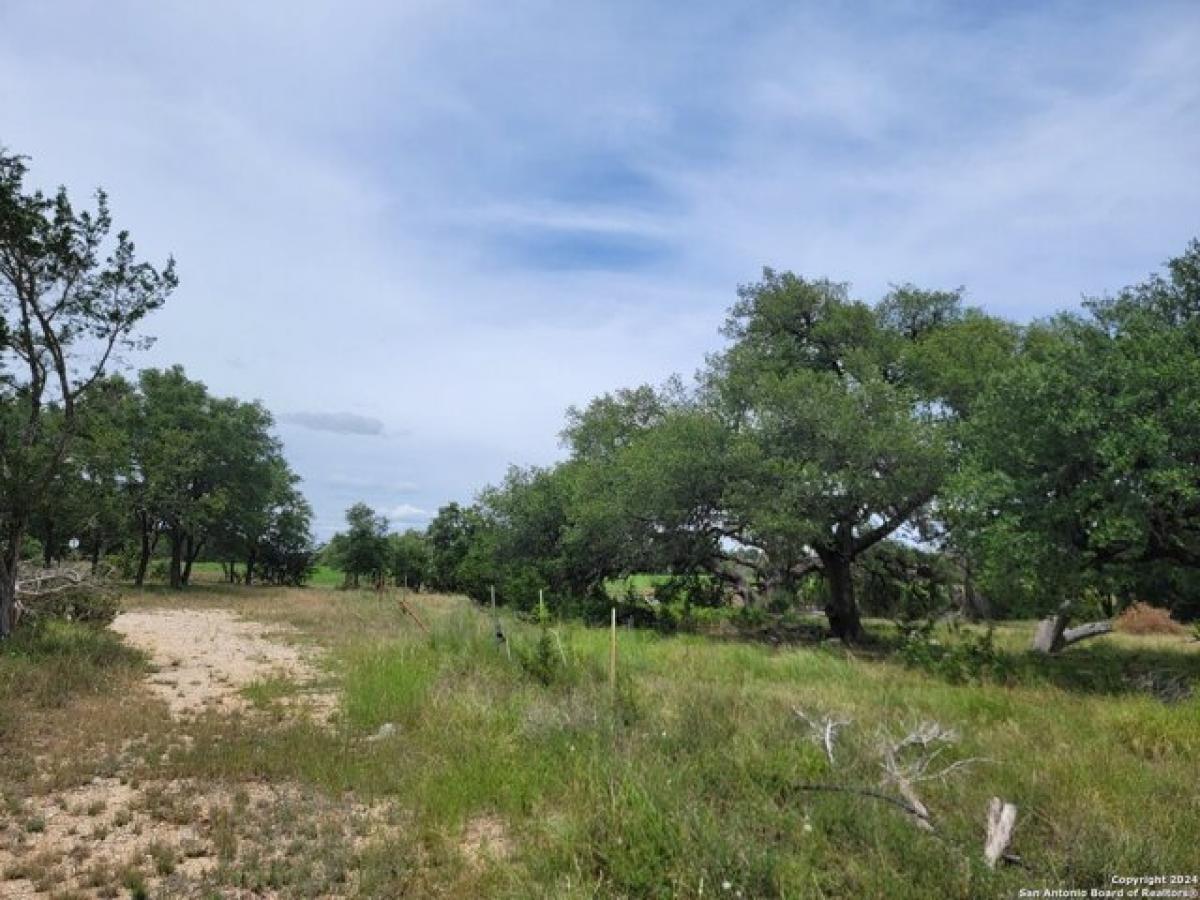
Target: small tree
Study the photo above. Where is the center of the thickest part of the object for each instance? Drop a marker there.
(363, 548)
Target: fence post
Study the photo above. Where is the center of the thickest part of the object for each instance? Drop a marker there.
(612, 656)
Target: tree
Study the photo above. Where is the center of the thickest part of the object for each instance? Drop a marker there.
(1083, 471)
(285, 548)
(409, 559)
(209, 473)
(845, 419)
(70, 299)
(451, 534)
(825, 427)
(649, 488)
(171, 439)
(363, 548)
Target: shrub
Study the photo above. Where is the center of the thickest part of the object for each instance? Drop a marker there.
(971, 658)
(1142, 618)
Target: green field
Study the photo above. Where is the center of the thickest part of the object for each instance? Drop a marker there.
(517, 772)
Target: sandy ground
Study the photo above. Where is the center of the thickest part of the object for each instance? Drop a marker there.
(74, 840)
(204, 657)
(90, 835)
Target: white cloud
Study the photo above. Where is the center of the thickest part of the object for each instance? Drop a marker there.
(406, 512)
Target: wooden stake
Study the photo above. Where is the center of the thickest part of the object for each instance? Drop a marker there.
(612, 655)
(412, 614)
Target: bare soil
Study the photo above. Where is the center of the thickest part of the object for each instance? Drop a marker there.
(204, 657)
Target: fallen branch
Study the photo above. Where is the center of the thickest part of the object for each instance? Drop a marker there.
(69, 592)
(1083, 632)
(899, 803)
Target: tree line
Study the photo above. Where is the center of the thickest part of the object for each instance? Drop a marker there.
(838, 451)
(92, 462)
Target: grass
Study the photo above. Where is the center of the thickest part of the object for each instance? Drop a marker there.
(211, 573)
(689, 778)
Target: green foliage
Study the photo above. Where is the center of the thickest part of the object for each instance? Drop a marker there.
(409, 558)
(827, 425)
(1082, 456)
(969, 657)
(363, 549)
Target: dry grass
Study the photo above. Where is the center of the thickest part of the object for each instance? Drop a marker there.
(1142, 618)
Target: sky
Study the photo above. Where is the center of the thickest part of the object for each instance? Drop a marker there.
(419, 231)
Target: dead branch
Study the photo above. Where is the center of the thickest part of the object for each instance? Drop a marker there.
(824, 732)
(70, 591)
(931, 739)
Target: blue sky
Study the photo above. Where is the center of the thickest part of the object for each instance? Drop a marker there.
(419, 231)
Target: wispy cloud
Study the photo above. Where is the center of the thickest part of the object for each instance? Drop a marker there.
(336, 422)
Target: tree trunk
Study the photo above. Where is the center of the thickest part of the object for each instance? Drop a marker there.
(1049, 635)
(1052, 633)
(176, 570)
(191, 554)
(147, 548)
(251, 558)
(10, 556)
(841, 609)
(1083, 632)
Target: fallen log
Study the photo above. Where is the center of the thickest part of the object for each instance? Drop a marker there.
(1053, 634)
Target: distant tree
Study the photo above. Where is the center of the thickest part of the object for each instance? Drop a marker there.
(451, 534)
(285, 549)
(70, 299)
(409, 558)
(648, 490)
(209, 473)
(363, 548)
(176, 492)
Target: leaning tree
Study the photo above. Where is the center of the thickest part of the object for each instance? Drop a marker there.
(71, 297)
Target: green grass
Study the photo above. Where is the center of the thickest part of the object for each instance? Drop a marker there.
(211, 572)
(44, 666)
(693, 774)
